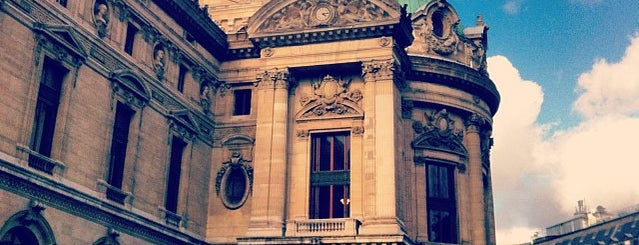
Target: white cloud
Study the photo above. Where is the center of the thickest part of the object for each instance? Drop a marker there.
(611, 88)
(512, 7)
(537, 180)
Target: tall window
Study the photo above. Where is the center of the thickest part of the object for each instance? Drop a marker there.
(182, 78)
(62, 2)
(442, 206)
(330, 175)
(175, 167)
(47, 107)
(242, 104)
(123, 115)
(131, 30)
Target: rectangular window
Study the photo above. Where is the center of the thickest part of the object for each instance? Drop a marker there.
(62, 2)
(242, 103)
(182, 78)
(175, 167)
(119, 141)
(131, 31)
(47, 107)
(442, 206)
(330, 175)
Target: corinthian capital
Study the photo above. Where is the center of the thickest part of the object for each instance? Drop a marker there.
(274, 78)
(379, 69)
(475, 122)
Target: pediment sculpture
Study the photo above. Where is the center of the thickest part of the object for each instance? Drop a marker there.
(331, 97)
(307, 14)
(439, 133)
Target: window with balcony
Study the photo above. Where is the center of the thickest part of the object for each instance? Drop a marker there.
(119, 141)
(46, 112)
(441, 203)
(131, 31)
(242, 102)
(330, 175)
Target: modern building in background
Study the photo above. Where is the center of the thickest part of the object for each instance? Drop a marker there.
(599, 227)
(244, 122)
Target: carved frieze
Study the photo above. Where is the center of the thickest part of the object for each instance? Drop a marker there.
(331, 97)
(439, 133)
(308, 14)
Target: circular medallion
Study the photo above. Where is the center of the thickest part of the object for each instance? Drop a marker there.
(323, 14)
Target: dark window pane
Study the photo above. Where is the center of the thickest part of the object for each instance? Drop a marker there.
(130, 38)
(175, 167)
(242, 104)
(47, 106)
(235, 186)
(119, 141)
(442, 210)
(182, 78)
(330, 179)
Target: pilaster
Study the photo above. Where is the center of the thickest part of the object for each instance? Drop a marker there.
(267, 211)
(473, 145)
(381, 103)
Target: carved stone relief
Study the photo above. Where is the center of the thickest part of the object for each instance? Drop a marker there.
(439, 133)
(331, 97)
(234, 181)
(307, 14)
(274, 78)
(101, 17)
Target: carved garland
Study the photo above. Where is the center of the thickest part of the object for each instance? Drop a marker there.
(439, 134)
(330, 97)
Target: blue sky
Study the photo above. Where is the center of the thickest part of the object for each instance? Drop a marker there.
(568, 73)
(552, 42)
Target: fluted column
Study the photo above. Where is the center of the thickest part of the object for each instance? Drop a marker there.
(473, 145)
(267, 210)
(381, 104)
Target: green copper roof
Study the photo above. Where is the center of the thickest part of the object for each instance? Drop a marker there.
(413, 4)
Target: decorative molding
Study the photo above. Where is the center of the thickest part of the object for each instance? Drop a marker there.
(357, 131)
(235, 163)
(182, 124)
(379, 69)
(302, 134)
(274, 78)
(331, 97)
(308, 14)
(88, 207)
(439, 134)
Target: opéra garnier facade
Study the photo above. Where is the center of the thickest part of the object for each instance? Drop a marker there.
(244, 122)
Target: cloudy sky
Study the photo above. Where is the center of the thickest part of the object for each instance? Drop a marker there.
(568, 124)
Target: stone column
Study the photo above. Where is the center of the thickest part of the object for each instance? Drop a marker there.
(381, 104)
(473, 145)
(269, 186)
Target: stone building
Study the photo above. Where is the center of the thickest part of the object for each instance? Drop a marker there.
(274, 122)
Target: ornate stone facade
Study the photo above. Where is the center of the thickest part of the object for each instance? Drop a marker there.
(278, 122)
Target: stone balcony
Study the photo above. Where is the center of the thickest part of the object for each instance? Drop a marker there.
(323, 227)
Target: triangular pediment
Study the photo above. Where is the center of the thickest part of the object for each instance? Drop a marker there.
(185, 118)
(64, 35)
(131, 81)
(306, 21)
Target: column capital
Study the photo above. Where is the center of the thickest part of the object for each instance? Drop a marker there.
(475, 123)
(374, 70)
(273, 78)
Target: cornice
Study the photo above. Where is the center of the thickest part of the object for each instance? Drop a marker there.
(196, 21)
(457, 76)
(70, 200)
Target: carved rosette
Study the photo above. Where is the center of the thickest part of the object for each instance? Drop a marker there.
(275, 78)
(331, 97)
(439, 134)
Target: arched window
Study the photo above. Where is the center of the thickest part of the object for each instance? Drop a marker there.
(18, 235)
(438, 23)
